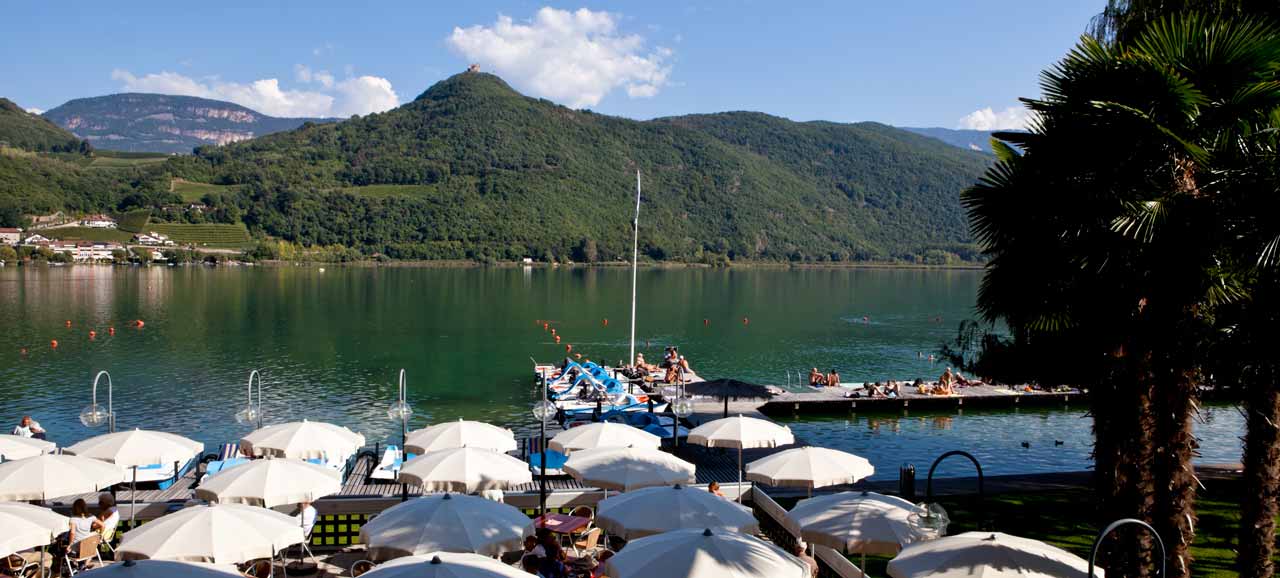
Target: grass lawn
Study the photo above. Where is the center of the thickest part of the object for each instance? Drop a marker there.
(115, 162)
(206, 234)
(87, 234)
(1067, 520)
(192, 192)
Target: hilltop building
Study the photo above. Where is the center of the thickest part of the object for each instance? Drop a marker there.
(10, 236)
(98, 222)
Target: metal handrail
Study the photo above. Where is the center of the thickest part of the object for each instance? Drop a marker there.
(1097, 542)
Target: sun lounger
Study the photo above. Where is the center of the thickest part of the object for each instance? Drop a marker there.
(555, 459)
(389, 467)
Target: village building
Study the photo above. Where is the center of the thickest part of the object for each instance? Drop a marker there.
(36, 239)
(10, 236)
(98, 222)
(87, 251)
(152, 238)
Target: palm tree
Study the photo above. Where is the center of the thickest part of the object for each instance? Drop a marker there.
(1102, 225)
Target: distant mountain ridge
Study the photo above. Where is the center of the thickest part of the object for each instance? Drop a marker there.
(140, 122)
(975, 140)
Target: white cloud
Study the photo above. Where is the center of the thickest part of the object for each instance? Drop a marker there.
(572, 57)
(34, 110)
(356, 95)
(1012, 118)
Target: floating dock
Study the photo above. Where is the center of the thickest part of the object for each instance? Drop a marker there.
(829, 400)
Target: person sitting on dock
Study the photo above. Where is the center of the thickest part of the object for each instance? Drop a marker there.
(945, 383)
(684, 364)
(892, 389)
(816, 379)
(646, 367)
(833, 378)
(669, 356)
(673, 374)
(29, 428)
(801, 551)
(922, 387)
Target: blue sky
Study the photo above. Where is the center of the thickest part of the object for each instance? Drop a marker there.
(907, 63)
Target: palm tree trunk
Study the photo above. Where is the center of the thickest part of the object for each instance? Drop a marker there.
(1174, 480)
(1123, 455)
(1258, 505)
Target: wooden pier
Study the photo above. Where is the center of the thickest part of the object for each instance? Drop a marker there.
(839, 400)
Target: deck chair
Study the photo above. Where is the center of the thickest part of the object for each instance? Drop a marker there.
(108, 532)
(17, 565)
(589, 542)
(82, 552)
(555, 459)
(584, 512)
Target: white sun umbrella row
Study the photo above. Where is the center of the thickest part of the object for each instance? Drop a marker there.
(17, 447)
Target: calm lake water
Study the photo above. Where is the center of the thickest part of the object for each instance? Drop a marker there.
(329, 346)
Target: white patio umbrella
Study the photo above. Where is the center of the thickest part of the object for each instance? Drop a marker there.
(656, 510)
(162, 569)
(989, 555)
(270, 483)
(50, 476)
(445, 523)
(603, 435)
(626, 469)
(809, 467)
(219, 534)
(18, 448)
(467, 470)
(137, 447)
(27, 526)
(858, 523)
(704, 554)
(446, 565)
(458, 434)
(303, 440)
(743, 433)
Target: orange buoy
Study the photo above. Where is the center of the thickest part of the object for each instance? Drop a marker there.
(706, 322)
(568, 348)
(111, 330)
(24, 351)
(578, 355)
(553, 331)
(557, 339)
(93, 334)
(745, 321)
(606, 321)
(140, 323)
(545, 326)
(53, 344)
(68, 323)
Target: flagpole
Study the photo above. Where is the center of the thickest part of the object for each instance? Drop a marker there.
(635, 258)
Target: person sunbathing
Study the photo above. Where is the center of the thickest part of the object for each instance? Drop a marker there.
(647, 367)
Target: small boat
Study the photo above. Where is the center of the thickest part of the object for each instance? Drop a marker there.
(164, 475)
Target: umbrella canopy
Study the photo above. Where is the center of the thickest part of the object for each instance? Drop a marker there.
(704, 554)
(467, 470)
(461, 434)
(50, 476)
(271, 483)
(809, 467)
(303, 440)
(727, 389)
(220, 534)
(26, 526)
(446, 565)
(603, 435)
(137, 447)
(627, 469)
(741, 432)
(986, 554)
(858, 522)
(656, 510)
(162, 569)
(446, 523)
(18, 447)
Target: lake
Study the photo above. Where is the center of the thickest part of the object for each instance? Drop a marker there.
(329, 345)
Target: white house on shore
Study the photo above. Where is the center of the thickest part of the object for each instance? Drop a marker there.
(10, 236)
(86, 251)
(98, 222)
(36, 239)
(152, 238)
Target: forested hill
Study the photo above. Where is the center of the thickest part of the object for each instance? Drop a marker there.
(164, 123)
(473, 169)
(23, 130)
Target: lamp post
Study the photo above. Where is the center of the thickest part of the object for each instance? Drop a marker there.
(93, 415)
(542, 411)
(682, 407)
(1097, 542)
(934, 517)
(250, 414)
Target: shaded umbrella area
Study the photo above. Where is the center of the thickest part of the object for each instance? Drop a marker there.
(727, 389)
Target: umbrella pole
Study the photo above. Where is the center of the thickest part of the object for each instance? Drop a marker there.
(133, 499)
(864, 563)
(739, 474)
(726, 406)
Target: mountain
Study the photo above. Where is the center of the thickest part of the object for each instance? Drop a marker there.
(23, 130)
(137, 122)
(978, 140)
(473, 169)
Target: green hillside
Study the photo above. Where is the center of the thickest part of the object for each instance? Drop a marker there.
(23, 130)
(211, 234)
(488, 173)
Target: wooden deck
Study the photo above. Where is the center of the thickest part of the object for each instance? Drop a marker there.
(835, 400)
